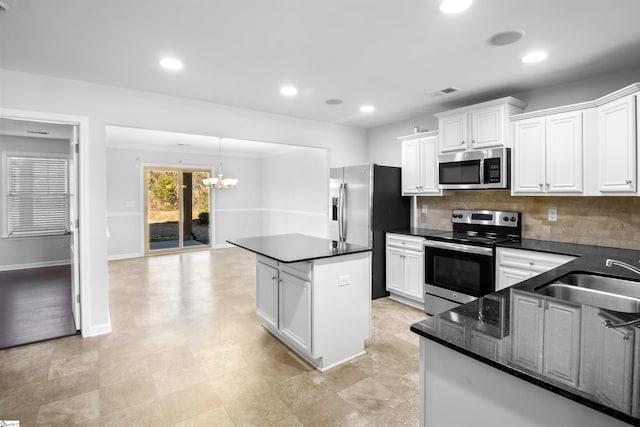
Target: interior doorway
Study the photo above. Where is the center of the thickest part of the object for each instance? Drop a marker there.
(39, 242)
(177, 209)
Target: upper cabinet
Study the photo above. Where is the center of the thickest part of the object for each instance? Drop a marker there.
(478, 126)
(547, 155)
(420, 164)
(587, 149)
(617, 146)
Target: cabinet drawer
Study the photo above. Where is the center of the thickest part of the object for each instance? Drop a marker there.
(405, 241)
(533, 261)
(301, 270)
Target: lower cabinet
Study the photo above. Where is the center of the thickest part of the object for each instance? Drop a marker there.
(615, 366)
(405, 269)
(546, 336)
(321, 309)
(515, 265)
(295, 310)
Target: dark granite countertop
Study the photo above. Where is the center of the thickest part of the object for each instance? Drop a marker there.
(288, 248)
(491, 316)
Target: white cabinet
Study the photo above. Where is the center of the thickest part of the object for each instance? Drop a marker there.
(420, 165)
(267, 281)
(515, 265)
(617, 146)
(615, 366)
(295, 310)
(548, 154)
(321, 309)
(405, 269)
(477, 126)
(546, 336)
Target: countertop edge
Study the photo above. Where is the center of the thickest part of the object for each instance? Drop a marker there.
(531, 379)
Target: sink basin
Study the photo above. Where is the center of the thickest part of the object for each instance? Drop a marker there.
(608, 293)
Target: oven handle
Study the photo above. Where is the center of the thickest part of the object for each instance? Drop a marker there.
(478, 250)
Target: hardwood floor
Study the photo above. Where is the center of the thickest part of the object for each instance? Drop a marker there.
(188, 350)
(35, 305)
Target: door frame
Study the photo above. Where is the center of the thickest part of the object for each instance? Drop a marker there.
(143, 218)
(82, 192)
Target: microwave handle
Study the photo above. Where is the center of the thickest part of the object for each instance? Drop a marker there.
(481, 172)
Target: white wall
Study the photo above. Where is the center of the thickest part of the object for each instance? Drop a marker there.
(385, 149)
(295, 188)
(103, 105)
(30, 252)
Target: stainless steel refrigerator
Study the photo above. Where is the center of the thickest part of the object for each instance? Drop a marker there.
(365, 202)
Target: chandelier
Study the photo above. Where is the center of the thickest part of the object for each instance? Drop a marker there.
(220, 183)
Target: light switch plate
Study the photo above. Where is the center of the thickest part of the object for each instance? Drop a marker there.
(424, 208)
(552, 215)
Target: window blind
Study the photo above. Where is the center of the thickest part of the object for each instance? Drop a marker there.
(37, 195)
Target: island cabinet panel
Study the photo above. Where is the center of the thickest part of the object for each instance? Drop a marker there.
(614, 365)
(295, 310)
(321, 308)
(267, 293)
(561, 346)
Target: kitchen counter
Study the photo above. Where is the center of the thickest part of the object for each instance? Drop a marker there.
(290, 248)
(313, 296)
(486, 331)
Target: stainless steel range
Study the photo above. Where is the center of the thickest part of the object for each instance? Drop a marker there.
(460, 264)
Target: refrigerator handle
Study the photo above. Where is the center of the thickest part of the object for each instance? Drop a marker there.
(342, 232)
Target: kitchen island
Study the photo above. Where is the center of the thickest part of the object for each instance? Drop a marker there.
(521, 357)
(313, 295)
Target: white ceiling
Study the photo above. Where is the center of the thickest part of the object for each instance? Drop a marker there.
(395, 54)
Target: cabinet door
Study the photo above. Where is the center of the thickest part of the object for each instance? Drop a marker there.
(267, 294)
(295, 310)
(414, 274)
(561, 355)
(508, 276)
(617, 146)
(488, 127)
(527, 324)
(410, 167)
(486, 345)
(453, 133)
(429, 165)
(528, 156)
(564, 153)
(614, 366)
(395, 270)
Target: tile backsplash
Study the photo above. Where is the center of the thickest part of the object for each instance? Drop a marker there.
(602, 221)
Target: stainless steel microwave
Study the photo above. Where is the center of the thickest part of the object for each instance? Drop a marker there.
(477, 169)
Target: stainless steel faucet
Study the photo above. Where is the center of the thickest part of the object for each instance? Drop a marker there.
(611, 262)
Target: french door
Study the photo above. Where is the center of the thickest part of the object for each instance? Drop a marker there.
(176, 209)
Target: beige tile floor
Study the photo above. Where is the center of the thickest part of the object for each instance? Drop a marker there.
(187, 350)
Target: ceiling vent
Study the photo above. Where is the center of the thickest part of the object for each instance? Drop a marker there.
(449, 90)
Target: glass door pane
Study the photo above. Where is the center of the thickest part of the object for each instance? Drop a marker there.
(163, 209)
(195, 205)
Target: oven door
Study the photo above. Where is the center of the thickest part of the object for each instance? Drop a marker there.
(459, 268)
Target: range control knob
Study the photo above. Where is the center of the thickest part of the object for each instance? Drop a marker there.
(506, 218)
(513, 218)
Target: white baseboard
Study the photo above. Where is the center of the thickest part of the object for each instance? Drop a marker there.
(96, 330)
(124, 256)
(34, 265)
(223, 246)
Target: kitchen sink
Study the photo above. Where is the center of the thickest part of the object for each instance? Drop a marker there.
(608, 293)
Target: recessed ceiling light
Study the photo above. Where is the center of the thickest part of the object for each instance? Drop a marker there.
(367, 108)
(171, 63)
(534, 57)
(289, 91)
(506, 37)
(454, 6)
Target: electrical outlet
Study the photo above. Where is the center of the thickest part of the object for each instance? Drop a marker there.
(552, 215)
(344, 280)
(424, 208)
